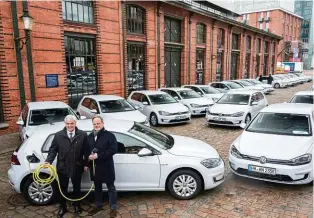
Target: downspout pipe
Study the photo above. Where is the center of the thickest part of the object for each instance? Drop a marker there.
(212, 50)
(189, 55)
(18, 53)
(123, 50)
(158, 42)
(29, 55)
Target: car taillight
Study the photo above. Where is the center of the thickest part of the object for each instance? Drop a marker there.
(14, 159)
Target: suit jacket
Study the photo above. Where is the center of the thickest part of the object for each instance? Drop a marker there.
(72, 155)
(106, 145)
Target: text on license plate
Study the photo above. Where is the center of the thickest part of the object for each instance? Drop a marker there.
(264, 170)
(219, 118)
(180, 117)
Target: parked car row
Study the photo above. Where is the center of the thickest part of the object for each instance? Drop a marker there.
(286, 80)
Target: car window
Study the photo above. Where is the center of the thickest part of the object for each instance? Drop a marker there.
(174, 94)
(245, 83)
(237, 99)
(162, 99)
(144, 98)
(119, 105)
(254, 98)
(234, 85)
(136, 96)
(128, 144)
(260, 96)
(25, 114)
(216, 85)
(94, 105)
(45, 116)
(209, 90)
(188, 94)
(86, 102)
(305, 99)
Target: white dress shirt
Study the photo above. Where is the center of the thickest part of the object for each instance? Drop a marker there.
(73, 134)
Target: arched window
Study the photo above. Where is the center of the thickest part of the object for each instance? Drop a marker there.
(135, 19)
(200, 33)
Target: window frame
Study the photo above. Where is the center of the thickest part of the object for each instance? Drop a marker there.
(138, 22)
(83, 4)
(201, 33)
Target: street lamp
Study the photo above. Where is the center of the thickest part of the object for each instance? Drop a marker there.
(28, 24)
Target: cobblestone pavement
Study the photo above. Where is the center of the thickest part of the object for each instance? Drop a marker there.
(236, 197)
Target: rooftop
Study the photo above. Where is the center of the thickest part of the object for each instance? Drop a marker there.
(272, 9)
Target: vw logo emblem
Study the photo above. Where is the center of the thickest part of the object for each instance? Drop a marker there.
(263, 160)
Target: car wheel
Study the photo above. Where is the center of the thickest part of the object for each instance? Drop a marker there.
(277, 86)
(39, 194)
(184, 184)
(153, 119)
(248, 119)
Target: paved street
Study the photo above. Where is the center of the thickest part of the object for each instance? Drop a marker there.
(237, 197)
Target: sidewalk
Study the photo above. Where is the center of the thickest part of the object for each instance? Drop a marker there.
(9, 142)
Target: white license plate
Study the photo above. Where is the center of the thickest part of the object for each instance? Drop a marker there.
(219, 118)
(180, 117)
(264, 170)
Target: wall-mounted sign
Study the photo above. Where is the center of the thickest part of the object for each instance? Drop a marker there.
(52, 80)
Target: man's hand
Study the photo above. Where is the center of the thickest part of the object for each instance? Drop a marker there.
(85, 169)
(46, 164)
(93, 156)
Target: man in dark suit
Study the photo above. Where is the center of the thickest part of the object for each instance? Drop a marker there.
(103, 145)
(71, 145)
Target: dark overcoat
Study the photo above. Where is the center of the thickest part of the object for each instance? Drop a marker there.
(72, 155)
(106, 145)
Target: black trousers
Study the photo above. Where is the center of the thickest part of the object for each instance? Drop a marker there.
(76, 182)
(111, 192)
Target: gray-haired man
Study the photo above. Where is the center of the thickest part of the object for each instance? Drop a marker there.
(71, 145)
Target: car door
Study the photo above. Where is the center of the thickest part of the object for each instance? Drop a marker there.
(132, 171)
(254, 109)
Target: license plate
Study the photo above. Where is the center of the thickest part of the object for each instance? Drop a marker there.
(220, 118)
(264, 170)
(180, 117)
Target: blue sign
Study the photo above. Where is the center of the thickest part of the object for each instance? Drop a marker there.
(52, 80)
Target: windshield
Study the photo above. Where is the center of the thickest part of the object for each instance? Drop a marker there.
(245, 83)
(255, 82)
(162, 99)
(188, 94)
(241, 99)
(119, 105)
(234, 85)
(44, 116)
(209, 90)
(157, 138)
(281, 124)
(305, 99)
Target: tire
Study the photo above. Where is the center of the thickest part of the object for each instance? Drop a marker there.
(277, 85)
(247, 119)
(153, 119)
(30, 185)
(195, 184)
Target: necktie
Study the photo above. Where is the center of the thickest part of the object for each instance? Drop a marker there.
(71, 136)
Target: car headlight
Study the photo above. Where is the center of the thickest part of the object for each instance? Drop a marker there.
(238, 114)
(235, 152)
(146, 121)
(164, 113)
(304, 159)
(211, 162)
(195, 105)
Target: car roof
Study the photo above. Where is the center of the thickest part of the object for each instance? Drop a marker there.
(199, 85)
(103, 97)
(248, 92)
(305, 93)
(150, 92)
(40, 105)
(289, 108)
(177, 89)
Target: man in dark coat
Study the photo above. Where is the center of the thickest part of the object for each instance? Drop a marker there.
(260, 78)
(270, 79)
(103, 145)
(71, 145)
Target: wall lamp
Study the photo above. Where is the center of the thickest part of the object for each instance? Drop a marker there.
(28, 24)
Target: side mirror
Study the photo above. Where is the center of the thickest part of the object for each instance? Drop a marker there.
(145, 152)
(83, 117)
(145, 103)
(94, 111)
(254, 103)
(243, 125)
(20, 122)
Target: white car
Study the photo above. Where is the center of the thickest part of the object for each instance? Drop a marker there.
(267, 88)
(311, 88)
(146, 160)
(42, 112)
(303, 97)
(196, 103)
(110, 106)
(277, 146)
(206, 91)
(292, 81)
(278, 81)
(226, 86)
(236, 107)
(247, 85)
(160, 107)
(307, 78)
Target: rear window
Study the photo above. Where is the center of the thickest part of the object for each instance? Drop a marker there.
(45, 116)
(303, 99)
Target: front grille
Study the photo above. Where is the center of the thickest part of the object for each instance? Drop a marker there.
(180, 113)
(220, 122)
(206, 105)
(180, 120)
(278, 177)
(272, 161)
(223, 115)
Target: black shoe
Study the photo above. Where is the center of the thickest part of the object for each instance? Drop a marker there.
(95, 210)
(77, 209)
(61, 212)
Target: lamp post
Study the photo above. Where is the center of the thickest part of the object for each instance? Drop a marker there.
(28, 24)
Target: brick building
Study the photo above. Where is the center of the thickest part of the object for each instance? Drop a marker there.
(280, 22)
(114, 47)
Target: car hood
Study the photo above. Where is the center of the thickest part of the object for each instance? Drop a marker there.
(171, 108)
(228, 108)
(273, 146)
(127, 115)
(199, 101)
(185, 146)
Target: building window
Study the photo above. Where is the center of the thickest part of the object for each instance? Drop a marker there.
(259, 42)
(200, 58)
(172, 30)
(235, 42)
(1, 109)
(221, 38)
(136, 66)
(135, 19)
(247, 57)
(266, 47)
(78, 11)
(200, 33)
(220, 54)
(81, 67)
(248, 43)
